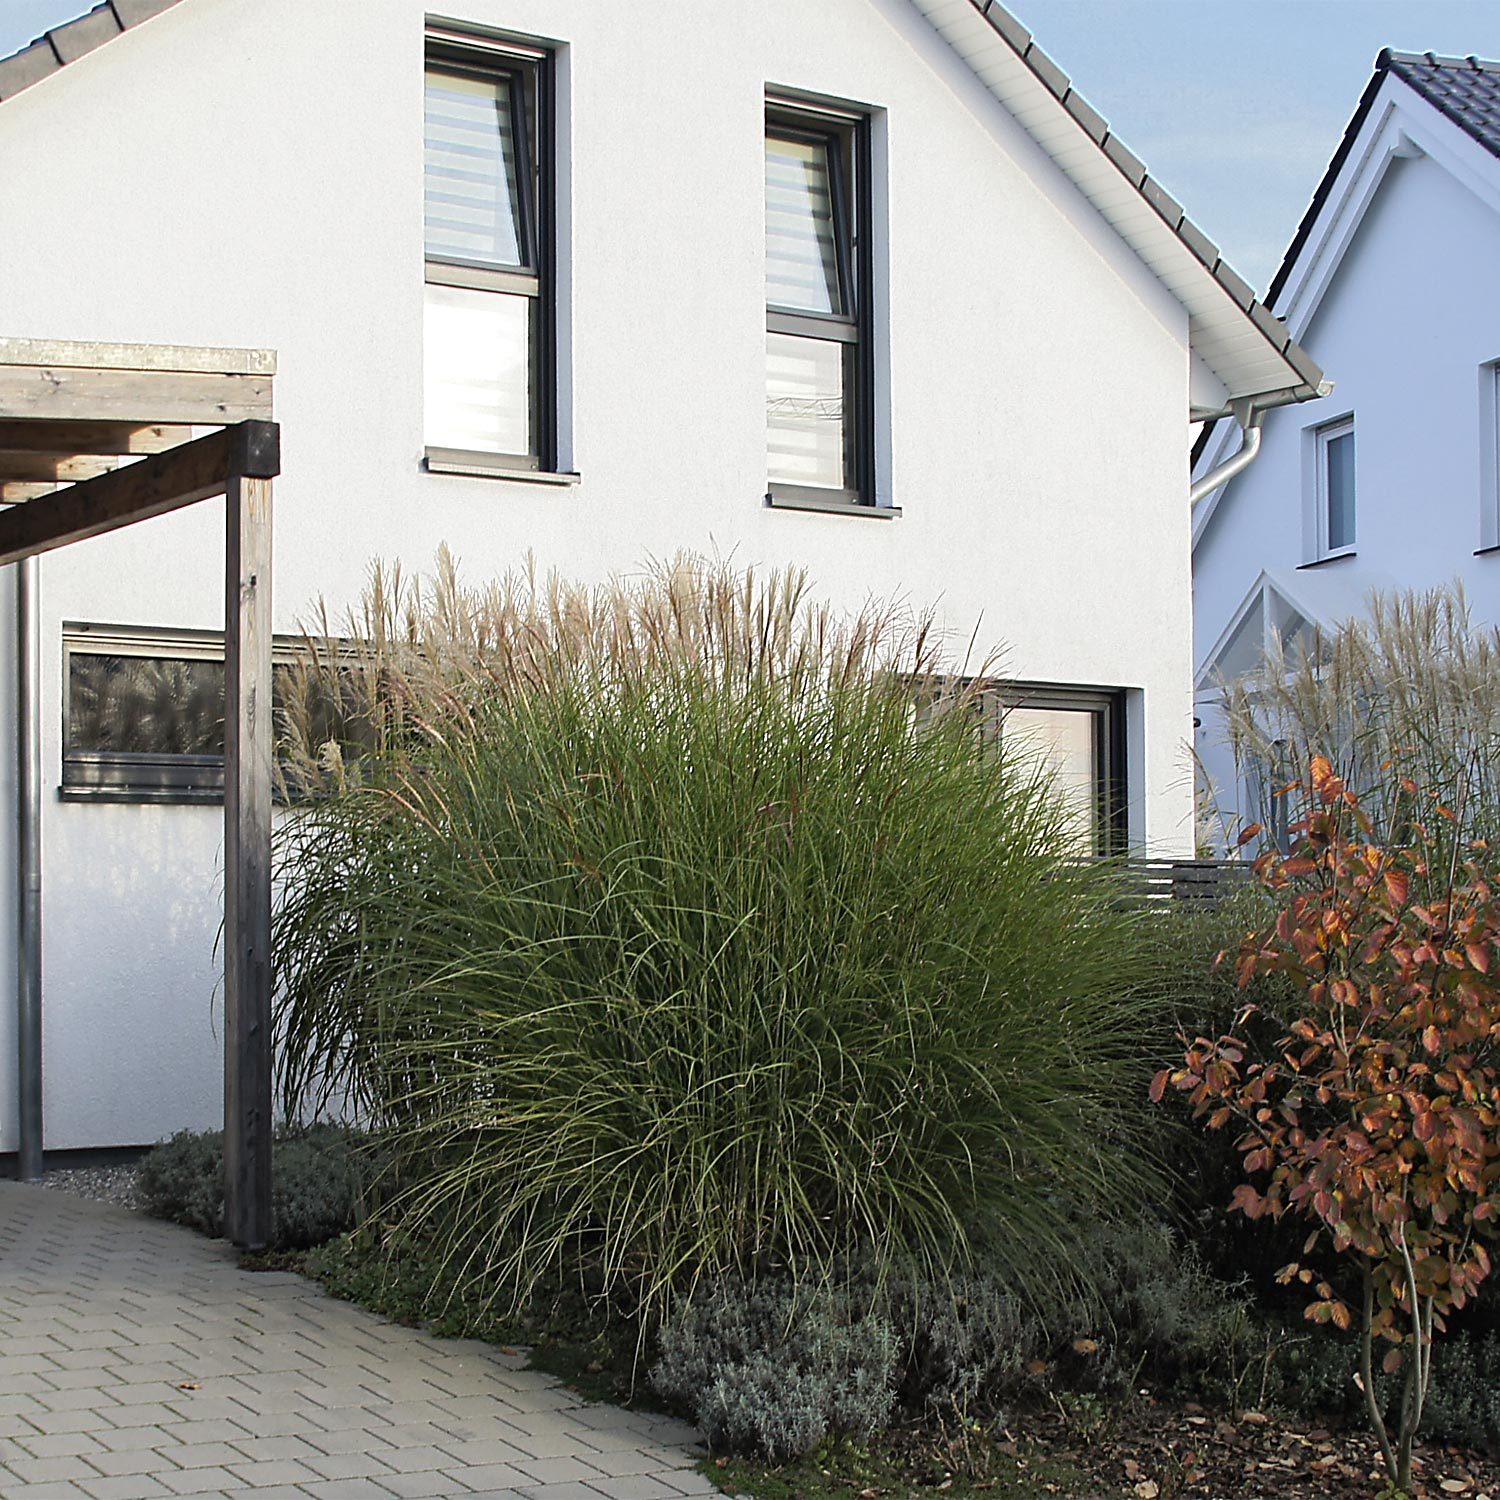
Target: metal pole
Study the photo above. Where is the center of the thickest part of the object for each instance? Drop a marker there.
(29, 863)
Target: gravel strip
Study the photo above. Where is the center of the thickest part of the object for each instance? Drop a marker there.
(113, 1183)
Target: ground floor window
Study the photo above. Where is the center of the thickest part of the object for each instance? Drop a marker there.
(1078, 735)
(143, 711)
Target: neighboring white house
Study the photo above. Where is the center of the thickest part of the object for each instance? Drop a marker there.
(1393, 480)
(830, 285)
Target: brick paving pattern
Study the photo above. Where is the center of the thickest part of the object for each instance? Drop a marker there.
(138, 1360)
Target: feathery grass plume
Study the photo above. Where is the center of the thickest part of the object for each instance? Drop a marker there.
(667, 928)
(1410, 692)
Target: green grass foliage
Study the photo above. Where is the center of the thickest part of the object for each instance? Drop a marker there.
(665, 935)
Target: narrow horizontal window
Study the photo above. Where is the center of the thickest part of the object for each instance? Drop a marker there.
(819, 409)
(143, 712)
(489, 367)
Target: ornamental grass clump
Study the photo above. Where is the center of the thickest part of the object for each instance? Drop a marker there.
(680, 928)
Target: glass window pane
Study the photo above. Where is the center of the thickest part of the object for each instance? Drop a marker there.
(801, 251)
(145, 705)
(472, 195)
(477, 370)
(1338, 459)
(1065, 741)
(805, 411)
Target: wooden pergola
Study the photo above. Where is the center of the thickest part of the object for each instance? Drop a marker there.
(95, 437)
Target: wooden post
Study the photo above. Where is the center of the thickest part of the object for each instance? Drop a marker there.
(247, 862)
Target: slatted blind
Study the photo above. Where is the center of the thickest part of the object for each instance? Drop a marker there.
(472, 187)
(802, 269)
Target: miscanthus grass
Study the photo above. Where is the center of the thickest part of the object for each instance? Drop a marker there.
(682, 927)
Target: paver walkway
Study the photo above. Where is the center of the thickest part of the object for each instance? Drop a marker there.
(137, 1359)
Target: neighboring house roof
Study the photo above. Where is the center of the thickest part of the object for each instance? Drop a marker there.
(67, 43)
(1464, 92)
(1235, 336)
(1465, 89)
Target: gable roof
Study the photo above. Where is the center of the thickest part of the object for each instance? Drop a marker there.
(1230, 330)
(1233, 333)
(1466, 90)
(55, 49)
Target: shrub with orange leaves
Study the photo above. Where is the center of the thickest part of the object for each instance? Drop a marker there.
(1375, 1112)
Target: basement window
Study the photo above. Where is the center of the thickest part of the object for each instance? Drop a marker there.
(143, 712)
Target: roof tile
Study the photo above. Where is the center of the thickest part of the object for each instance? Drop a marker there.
(1465, 89)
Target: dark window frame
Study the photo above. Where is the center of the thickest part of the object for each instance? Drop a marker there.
(137, 776)
(850, 129)
(1111, 770)
(531, 69)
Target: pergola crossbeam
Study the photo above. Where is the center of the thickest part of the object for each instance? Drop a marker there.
(64, 439)
(158, 484)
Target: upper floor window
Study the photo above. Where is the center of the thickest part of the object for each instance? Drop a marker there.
(819, 410)
(1489, 456)
(489, 367)
(1333, 501)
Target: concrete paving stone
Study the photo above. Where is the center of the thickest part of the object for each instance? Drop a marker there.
(132, 1439)
(494, 1477)
(58, 1444)
(272, 1472)
(571, 1490)
(132, 1461)
(559, 1470)
(124, 1487)
(414, 1460)
(205, 1455)
(265, 1450)
(41, 1470)
(355, 1488)
(689, 1482)
(634, 1487)
(197, 1481)
(57, 1490)
(348, 1465)
(297, 1397)
(348, 1440)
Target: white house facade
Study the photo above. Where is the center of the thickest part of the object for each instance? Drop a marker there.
(828, 285)
(1391, 481)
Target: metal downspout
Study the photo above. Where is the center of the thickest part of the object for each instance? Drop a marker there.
(29, 864)
(1249, 419)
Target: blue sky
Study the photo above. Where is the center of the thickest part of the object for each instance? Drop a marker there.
(1236, 107)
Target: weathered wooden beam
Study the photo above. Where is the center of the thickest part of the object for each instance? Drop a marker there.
(68, 438)
(80, 393)
(57, 468)
(158, 484)
(14, 492)
(247, 862)
(93, 355)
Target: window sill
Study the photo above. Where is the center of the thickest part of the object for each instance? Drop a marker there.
(829, 504)
(1486, 551)
(169, 796)
(487, 466)
(1332, 557)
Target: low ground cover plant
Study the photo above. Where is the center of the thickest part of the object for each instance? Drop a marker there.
(685, 929)
(321, 1177)
(1369, 1110)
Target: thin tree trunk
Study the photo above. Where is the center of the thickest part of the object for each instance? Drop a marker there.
(1367, 1380)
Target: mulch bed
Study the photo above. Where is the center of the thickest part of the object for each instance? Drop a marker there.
(1158, 1451)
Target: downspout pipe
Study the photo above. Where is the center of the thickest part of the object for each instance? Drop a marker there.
(1249, 418)
(29, 866)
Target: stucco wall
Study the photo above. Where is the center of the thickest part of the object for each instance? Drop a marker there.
(251, 175)
(1411, 316)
